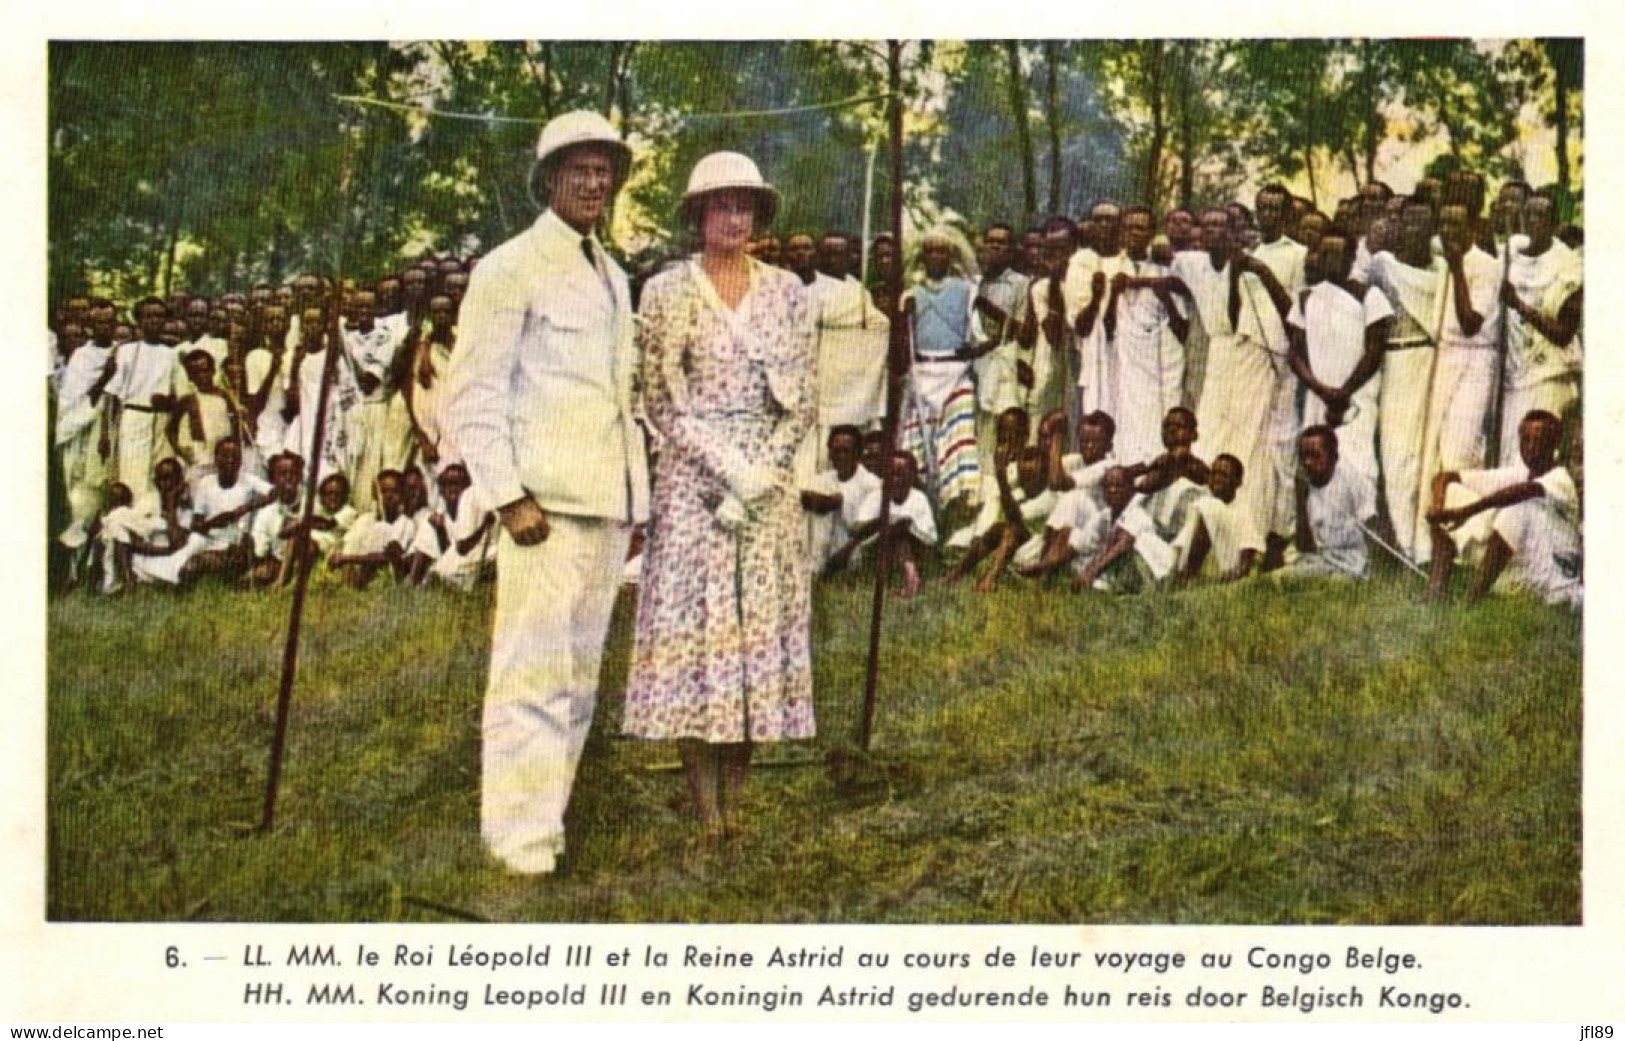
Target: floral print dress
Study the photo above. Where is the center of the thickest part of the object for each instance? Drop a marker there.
(724, 616)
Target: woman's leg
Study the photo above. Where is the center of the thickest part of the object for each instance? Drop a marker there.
(735, 765)
(700, 764)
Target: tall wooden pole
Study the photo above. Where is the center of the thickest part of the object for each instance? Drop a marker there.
(896, 371)
(300, 544)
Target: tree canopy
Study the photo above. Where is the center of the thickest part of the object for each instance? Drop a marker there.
(203, 165)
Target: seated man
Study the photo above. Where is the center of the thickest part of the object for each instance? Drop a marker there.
(1120, 549)
(1524, 520)
(838, 497)
(274, 525)
(378, 540)
(1024, 511)
(979, 538)
(453, 544)
(1335, 507)
(223, 503)
(1218, 533)
(912, 529)
(1011, 431)
(151, 538)
(334, 516)
(1078, 480)
(1172, 482)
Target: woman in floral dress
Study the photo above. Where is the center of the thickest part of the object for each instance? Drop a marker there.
(722, 656)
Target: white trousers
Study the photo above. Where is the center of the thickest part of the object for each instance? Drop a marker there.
(553, 603)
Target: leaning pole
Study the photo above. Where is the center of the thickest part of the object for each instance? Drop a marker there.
(896, 371)
(299, 545)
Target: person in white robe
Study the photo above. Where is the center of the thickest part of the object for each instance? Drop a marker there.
(371, 348)
(1145, 330)
(1218, 540)
(83, 436)
(1521, 521)
(336, 453)
(1236, 411)
(1337, 344)
(1336, 506)
(453, 545)
(145, 390)
(1416, 283)
(1544, 297)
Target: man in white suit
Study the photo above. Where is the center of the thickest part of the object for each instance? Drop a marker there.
(539, 401)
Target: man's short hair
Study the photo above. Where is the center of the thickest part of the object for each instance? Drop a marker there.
(1059, 223)
(845, 430)
(1549, 192)
(1100, 421)
(1540, 415)
(1324, 433)
(1223, 457)
(1274, 188)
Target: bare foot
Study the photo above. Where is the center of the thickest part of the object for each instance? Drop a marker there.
(911, 582)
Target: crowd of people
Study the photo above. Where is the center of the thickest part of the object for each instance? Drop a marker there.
(1137, 403)
(1253, 391)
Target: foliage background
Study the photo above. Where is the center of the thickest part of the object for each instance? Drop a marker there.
(212, 165)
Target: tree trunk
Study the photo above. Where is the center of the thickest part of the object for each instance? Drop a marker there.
(1564, 82)
(1024, 137)
(1052, 115)
(546, 79)
(1186, 132)
(623, 89)
(1151, 185)
(611, 80)
(169, 257)
(1375, 124)
(1309, 172)
(277, 261)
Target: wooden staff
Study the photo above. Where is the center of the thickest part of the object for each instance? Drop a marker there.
(896, 373)
(301, 582)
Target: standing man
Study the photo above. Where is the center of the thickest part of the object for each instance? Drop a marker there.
(1001, 306)
(1415, 283)
(1088, 276)
(1543, 295)
(539, 399)
(144, 389)
(941, 428)
(1285, 259)
(1147, 331)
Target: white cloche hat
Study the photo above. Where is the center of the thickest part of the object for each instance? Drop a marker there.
(730, 170)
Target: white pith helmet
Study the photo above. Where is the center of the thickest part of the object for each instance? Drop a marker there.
(730, 170)
(582, 127)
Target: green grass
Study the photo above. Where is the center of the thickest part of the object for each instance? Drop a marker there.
(1237, 755)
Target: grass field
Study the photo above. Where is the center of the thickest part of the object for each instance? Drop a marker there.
(1237, 755)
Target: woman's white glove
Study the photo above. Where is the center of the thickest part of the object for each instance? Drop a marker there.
(732, 516)
(755, 484)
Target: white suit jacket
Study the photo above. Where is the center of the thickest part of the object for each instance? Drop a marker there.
(539, 395)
